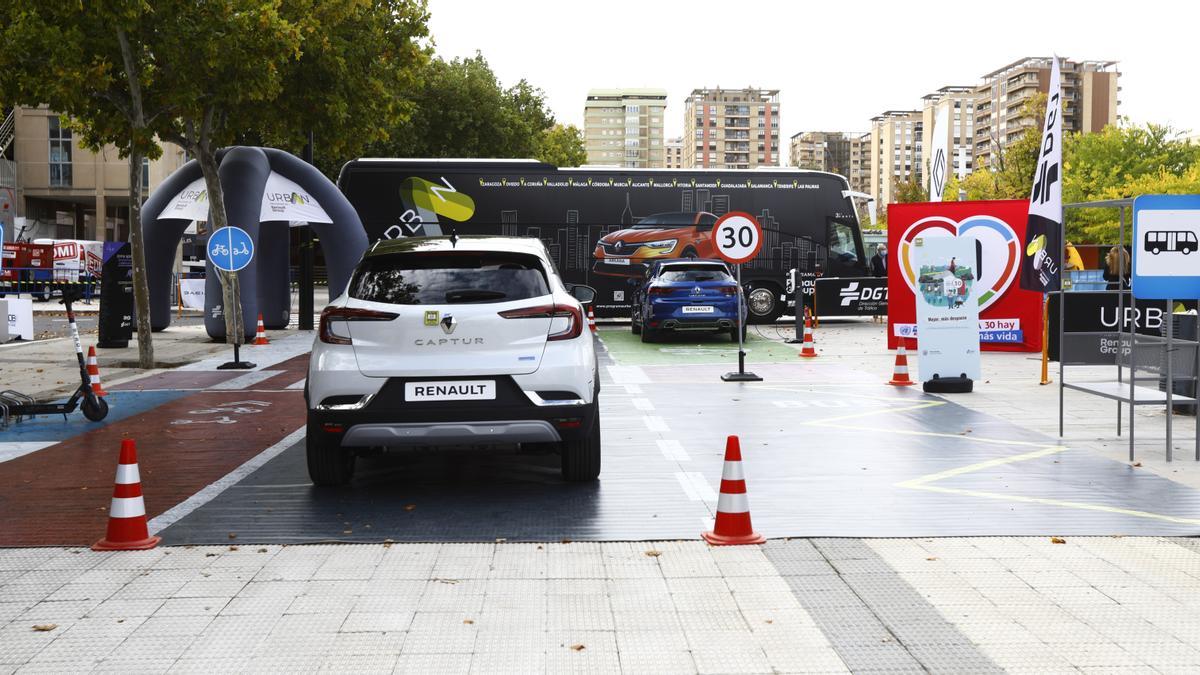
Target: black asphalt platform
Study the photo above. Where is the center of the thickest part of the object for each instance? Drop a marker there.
(859, 460)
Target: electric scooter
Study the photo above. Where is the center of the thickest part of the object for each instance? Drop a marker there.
(95, 408)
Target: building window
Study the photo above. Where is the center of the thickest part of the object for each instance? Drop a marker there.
(60, 154)
(145, 173)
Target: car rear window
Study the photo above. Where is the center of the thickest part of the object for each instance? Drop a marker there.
(694, 273)
(457, 278)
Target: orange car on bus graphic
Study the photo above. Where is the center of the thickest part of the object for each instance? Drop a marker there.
(628, 252)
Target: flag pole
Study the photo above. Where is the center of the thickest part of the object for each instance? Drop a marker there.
(1046, 339)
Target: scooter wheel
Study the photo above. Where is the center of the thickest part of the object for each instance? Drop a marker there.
(95, 412)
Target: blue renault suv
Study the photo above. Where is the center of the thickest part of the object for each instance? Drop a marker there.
(686, 295)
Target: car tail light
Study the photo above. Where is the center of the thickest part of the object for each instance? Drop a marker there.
(658, 290)
(331, 314)
(572, 314)
(729, 290)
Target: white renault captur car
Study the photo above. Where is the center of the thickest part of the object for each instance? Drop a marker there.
(453, 341)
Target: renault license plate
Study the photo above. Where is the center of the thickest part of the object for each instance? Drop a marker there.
(452, 390)
(697, 309)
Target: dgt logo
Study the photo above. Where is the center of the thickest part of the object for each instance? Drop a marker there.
(852, 292)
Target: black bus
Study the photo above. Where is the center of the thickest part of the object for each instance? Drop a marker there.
(604, 226)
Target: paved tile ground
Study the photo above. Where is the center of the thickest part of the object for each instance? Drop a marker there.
(834, 605)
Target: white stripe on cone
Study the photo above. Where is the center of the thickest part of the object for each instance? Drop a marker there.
(127, 507)
(733, 471)
(733, 503)
(901, 370)
(127, 474)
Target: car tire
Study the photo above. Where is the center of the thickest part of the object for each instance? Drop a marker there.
(689, 252)
(649, 335)
(94, 411)
(762, 303)
(328, 463)
(581, 457)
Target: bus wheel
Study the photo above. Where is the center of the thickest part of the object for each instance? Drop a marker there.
(762, 303)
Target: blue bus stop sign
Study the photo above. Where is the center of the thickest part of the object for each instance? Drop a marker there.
(1166, 247)
(230, 249)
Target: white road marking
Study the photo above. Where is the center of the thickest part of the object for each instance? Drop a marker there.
(632, 388)
(298, 385)
(673, 450)
(642, 404)
(249, 379)
(17, 449)
(655, 423)
(210, 492)
(695, 486)
(628, 375)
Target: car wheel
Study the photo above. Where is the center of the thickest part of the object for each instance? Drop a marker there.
(689, 252)
(328, 463)
(94, 411)
(581, 458)
(762, 304)
(649, 334)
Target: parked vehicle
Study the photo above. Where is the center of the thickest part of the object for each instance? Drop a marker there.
(601, 225)
(686, 295)
(450, 341)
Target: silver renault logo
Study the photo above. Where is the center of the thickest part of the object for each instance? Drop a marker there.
(697, 291)
(449, 323)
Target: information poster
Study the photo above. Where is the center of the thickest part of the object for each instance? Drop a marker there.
(116, 296)
(947, 309)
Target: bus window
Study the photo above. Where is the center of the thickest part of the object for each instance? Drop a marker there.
(843, 252)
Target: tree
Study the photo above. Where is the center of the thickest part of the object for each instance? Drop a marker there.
(81, 63)
(463, 110)
(201, 74)
(563, 146)
(909, 190)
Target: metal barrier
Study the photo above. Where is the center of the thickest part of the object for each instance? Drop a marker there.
(43, 283)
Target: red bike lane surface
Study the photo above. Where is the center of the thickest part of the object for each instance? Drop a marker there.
(60, 495)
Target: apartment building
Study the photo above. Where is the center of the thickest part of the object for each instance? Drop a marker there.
(624, 127)
(58, 189)
(1090, 98)
(896, 151)
(822, 151)
(860, 162)
(958, 105)
(731, 128)
(673, 157)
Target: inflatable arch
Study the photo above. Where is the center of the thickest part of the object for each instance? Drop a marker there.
(264, 189)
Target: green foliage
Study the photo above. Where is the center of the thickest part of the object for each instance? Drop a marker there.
(911, 190)
(462, 110)
(563, 146)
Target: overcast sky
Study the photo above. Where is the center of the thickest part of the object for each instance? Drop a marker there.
(837, 64)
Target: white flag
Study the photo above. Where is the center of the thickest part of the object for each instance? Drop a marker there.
(938, 154)
(1043, 231)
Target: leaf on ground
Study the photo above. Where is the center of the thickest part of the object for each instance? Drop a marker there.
(932, 557)
(578, 648)
(446, 581)
(1137, 464)
(1057, 540)
(409, 507)
(262, 550)
(653, 553)
(500, 540)
(45, 627)
(233, 548)
(233, 535)
(468, 621)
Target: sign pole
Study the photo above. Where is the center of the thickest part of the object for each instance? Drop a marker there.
(228, 254)
(306, 259)
(738, 238)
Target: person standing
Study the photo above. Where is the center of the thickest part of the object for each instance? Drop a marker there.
(879, 261)
(1116, 268)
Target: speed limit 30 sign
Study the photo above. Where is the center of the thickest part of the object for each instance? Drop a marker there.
(738, 237)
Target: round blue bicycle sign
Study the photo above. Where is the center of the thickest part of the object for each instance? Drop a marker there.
(230, 249)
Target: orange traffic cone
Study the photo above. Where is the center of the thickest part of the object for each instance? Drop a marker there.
(733, 509)
(591, 319)
(93, 371)
(260, 333)
(127, 529)
(807, 351)
(900, 373)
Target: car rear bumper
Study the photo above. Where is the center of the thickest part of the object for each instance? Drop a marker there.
(388, 420)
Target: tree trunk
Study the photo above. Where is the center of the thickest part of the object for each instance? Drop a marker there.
(231, 305)
(141, 287)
